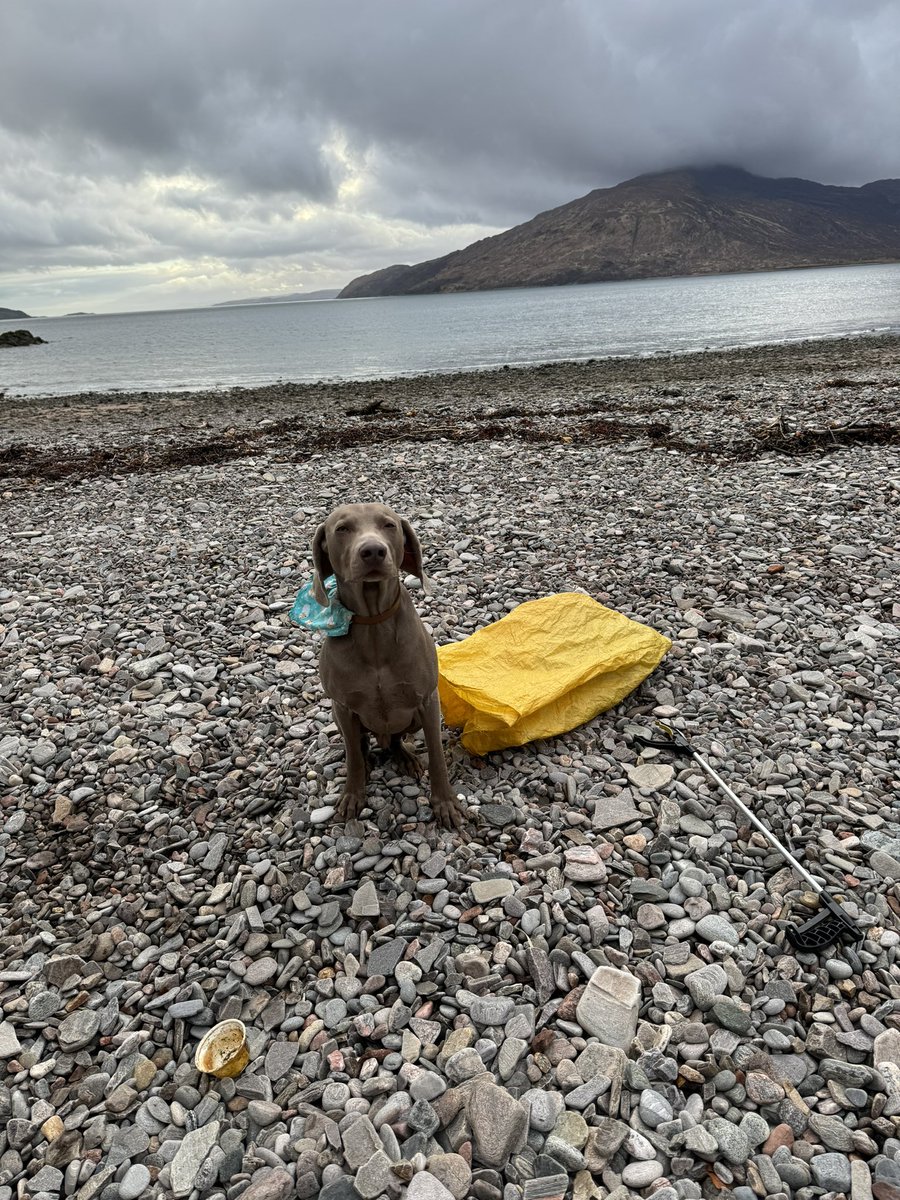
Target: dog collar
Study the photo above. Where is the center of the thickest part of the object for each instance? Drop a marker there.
(379, 617)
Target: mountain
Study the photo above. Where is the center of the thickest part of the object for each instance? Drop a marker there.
(11, 314)
(322, 294)
(695, 221)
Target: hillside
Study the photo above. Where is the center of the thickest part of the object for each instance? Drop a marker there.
(688, 222)
(11, 314)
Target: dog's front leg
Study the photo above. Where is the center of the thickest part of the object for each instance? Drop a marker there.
(445, 806)
(353, 734)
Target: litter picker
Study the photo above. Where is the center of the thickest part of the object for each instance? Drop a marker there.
(831, 923)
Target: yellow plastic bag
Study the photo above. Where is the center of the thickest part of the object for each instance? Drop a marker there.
(548, 666)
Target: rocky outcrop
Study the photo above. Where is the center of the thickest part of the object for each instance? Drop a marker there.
(20, 337)
(689, 222)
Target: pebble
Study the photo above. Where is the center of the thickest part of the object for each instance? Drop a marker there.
(9, 1042)
(609, 1006)
(484, 891)
(596, 978)
(78, 1030)
(134, 1183)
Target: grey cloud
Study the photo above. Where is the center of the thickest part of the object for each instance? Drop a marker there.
(451, 113)
(579, 90)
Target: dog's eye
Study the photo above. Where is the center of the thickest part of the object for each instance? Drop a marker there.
(389, 525)
(342, 529)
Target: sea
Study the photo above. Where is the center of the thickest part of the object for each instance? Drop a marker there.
(257, 344)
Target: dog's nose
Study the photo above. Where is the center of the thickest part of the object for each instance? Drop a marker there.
(373, 553)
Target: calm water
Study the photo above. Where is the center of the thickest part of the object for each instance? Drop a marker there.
(344, 339)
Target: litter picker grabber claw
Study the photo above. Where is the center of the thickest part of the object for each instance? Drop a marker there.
(831, 924)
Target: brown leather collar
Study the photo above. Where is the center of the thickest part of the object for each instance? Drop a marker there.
(379, 617)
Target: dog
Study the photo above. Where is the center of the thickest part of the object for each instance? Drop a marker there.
(381, 676)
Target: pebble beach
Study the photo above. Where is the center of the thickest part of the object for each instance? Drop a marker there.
(591, 993)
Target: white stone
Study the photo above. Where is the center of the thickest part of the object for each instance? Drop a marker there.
(650, 776)
(609, 1007)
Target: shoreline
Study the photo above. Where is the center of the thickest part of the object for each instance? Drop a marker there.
(791, 398)
(801, 348)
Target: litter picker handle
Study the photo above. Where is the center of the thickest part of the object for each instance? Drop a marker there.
(757, 824)
(680, 744)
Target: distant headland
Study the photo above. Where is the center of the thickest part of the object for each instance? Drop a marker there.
(695, 221)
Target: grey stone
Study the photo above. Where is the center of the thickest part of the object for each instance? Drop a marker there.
(47, 1179)
(264, 1112)
(128, 1142)
(185, 1008)
(382, 959)
(714, 928)
(586, 1093)
(886, 1057)
(755, 1128)
(188, 1160)
(486, 890)
(654, 1108)
(733, 1143)
(340, 1189)
(427, 1086)
(279, 1059)
(543, 1108)
(423, 1119)
(78, 1030)
(706, 984)
(833, 1132)
(134, 1183)
(831, 1172)
(9, 1043)
(43, 752)
(546, 1187)
(453, 1172)
(375, 1177)
(42, 1006)
(886, 1185)
(731, 1015)
(499, 1124)
(260, 971)
(604, 1139)
(424, 1186)
(464, 1064)
(365, 902)
(498, 815)
(561, 1154)
(611, 812)
(609, 1007)
(272, 1183)
(641, 1174)
(491, 1010)
(360, 1141)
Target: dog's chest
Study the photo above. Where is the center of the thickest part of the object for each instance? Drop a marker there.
(384, 695)
(384, 703)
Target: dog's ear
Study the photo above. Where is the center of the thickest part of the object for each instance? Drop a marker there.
(322, 565)
(412, 556)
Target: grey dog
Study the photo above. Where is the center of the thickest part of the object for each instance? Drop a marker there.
(382, 676)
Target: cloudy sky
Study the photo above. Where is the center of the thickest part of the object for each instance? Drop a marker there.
(162, 155)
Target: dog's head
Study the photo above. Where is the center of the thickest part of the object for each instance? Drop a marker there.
(364, 543)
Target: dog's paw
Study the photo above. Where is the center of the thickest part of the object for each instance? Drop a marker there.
(350, 806)
(449, 813)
